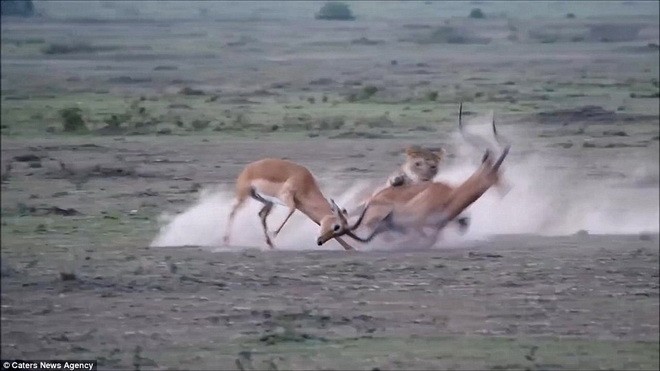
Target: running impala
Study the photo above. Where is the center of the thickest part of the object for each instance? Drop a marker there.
(271, 181)
(430, 205)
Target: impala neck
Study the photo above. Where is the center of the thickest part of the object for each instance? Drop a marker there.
(315, 206)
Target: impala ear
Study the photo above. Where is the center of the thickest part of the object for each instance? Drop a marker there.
(333, 205)
(336, 209)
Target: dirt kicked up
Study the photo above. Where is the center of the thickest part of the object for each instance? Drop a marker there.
(80, 281)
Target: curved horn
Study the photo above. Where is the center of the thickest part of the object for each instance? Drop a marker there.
(505, 152)
(384, 225)
(472, 139)
(359, 220)
(502, 142)
(337, 211)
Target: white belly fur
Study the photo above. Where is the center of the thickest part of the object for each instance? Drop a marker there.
(260, 185)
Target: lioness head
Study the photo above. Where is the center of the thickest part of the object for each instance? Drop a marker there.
(422, 164)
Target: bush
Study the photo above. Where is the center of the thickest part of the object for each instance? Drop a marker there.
(368, 91)
(200, 124)
(77, 47)
(477, 14)
(335, 10)
(364, 93)
(72, 120)
(450, 35)
(113, 121)
(21, 8)
(432, 95)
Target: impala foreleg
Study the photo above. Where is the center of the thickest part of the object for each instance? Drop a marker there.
(290, 201)
(344, 244)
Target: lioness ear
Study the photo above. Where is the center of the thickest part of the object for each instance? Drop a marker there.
(413, 150)
(440, 153)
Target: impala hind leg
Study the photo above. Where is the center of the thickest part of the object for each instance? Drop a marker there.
(263, 214)
(240, 202)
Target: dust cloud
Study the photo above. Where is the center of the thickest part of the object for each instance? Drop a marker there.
(540, 200)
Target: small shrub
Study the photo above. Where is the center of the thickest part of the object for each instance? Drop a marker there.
(382, 121)
(212, 98)
(335, 10)
(330, 123)
(324, 99)
(113, 121)
(67, 48)
(570, 16)
(451, 35)
(476, 13)
(190, 91)
(21, 8)
(311, 100)
(432, 95)
(77, 47)
(368, 91)
(200, 124)
(72, 119)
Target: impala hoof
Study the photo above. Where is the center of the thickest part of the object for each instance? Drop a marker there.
(463, 224)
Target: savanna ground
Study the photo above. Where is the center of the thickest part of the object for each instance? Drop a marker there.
(178, 97)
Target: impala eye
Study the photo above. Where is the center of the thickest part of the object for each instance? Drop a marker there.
(418, 164)
(433, 167)
(336, 227)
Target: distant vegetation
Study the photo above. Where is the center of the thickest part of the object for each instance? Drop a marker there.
(21, 8)
(449, 35)
(76, 47)
(335, 10)
(477, 14)
(364, 94)
(72, 120)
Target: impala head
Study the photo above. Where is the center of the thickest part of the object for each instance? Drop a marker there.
(336, 224)
(422, 164)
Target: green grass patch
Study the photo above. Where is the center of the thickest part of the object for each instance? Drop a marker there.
(471, 352)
